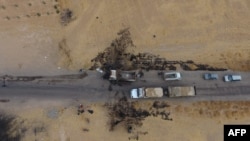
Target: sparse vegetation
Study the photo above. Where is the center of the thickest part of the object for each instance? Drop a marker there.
(3, 7)
(85, 130)
(29, 4)
(38, 14)
(7, 17)
(66, 16)
(43, 2)
(15, 5)
(8, 130)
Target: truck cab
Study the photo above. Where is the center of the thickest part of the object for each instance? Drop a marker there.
(137, 93)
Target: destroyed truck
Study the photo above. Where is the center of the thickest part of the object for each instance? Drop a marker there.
(180, 91)
(116, 75)
(144, 92)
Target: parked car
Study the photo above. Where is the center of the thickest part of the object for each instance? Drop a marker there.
(210, 76)
(228, 78)
(171, 76)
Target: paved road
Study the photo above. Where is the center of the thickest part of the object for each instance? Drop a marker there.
(94, 88)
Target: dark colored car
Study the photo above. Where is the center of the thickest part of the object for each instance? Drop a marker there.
(210, 76)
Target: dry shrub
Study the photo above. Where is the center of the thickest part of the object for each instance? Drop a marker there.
(179, 109)
(187, 109)
(216, 114)
(10, 128)
(201, 112)
(66, 16)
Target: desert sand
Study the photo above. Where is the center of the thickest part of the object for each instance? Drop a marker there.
(209, 32)
(197, 120)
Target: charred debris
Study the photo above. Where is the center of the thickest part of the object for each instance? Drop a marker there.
(125, 113)
(118, 56)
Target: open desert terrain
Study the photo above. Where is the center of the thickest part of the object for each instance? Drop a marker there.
(58, 120)
(36, 40)
(209, 32)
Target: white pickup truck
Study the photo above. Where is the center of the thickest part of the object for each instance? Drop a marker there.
(153, 92)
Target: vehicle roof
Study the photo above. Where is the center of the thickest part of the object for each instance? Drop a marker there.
(173, 72)
(209, 75)
(171, 75)
(236, 76)
(134, 93)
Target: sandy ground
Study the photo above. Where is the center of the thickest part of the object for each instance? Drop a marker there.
(201, 121)
(209, 31)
